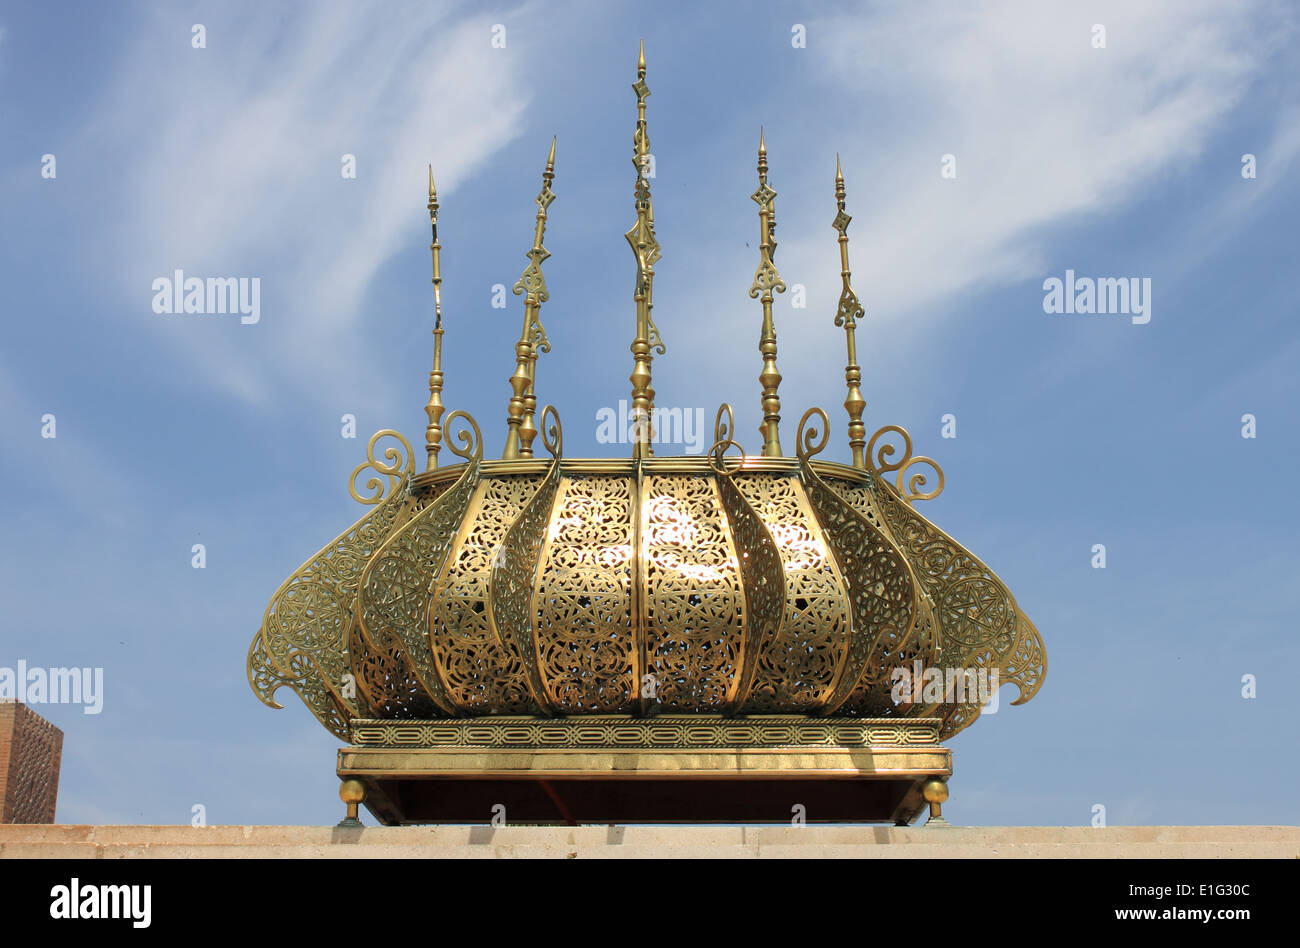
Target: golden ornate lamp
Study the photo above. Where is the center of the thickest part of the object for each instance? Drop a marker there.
(720, 638)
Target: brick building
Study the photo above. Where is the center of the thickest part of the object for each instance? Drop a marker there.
(30, 750)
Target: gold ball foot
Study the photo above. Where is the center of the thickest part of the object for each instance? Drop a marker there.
(935, 792)
(351, 792)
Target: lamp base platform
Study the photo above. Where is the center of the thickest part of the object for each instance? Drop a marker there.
(779, 769)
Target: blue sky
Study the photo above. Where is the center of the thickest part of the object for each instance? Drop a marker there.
(1123, 161)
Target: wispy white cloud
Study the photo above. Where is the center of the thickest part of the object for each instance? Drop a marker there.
(230, 159)
(1045, 128)
(1048, 133)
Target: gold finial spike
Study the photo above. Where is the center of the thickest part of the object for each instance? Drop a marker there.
(434, 409)
(847, 315)
(766, 280)
(646, 249)
(533, 340)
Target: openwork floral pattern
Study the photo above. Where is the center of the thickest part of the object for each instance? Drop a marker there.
(695, 608)
(583, 604)
(699, 586)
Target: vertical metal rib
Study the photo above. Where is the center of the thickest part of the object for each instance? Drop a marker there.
(514, 569)
(883, 596)
(393, 602)
(762, 573)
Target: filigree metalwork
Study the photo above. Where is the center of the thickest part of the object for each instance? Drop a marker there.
(694, 604)
(382, 675)
(586, 644)
(394, 600)
(662, 587)
(877, 459)
(482, 674)
(305, 680)
(882, 593)
(305, 631)
(514, 569)
(760, 567)
(978, 622)
(872, 698)
(798, 669)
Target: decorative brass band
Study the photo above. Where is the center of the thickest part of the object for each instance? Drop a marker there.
(514, 568)
(664, 731)
(882, 594)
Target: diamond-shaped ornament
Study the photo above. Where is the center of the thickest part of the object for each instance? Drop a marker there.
(763, 195)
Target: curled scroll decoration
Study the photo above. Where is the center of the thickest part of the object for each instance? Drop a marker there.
(883, 596)
(656, 341)
(762, 576)
(908, 482)
(395, 467)
(514, 568)
(724, 426)
(393, 605)
(470, 446)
